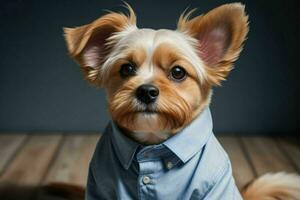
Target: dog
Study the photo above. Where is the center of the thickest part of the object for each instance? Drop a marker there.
(159, 143)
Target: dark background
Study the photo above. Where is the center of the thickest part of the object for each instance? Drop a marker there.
(41, 89)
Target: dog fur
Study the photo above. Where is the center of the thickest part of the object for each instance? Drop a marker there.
(102, 46)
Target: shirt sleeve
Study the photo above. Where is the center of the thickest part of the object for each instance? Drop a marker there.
(224, 187)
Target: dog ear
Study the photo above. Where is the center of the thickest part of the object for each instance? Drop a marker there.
(90, 44)
(220, 35)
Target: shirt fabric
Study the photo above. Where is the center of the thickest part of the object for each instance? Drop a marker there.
(189, 165)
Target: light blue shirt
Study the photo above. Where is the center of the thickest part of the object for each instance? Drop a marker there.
(190, 165)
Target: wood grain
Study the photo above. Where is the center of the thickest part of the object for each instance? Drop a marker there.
(36, 159)
(292, 149)
(266, 156)
(73, 159)
(33, 160)
(9, 144)
(241, 168)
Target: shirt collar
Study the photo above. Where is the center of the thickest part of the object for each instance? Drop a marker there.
(192, 138)
(125, 147)
(184, 144)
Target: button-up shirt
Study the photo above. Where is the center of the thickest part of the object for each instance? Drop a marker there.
(189, 165)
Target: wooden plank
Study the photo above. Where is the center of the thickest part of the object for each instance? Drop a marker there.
(292, 149)
(33, 160)
(266, 156)
(9, 144)
(241, 168)
(73, 160)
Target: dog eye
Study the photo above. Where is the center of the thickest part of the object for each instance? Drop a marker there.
(127, 69)
(177, 73)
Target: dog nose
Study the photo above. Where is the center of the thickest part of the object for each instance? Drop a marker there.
(147, 93)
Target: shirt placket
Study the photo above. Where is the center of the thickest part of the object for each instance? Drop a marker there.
(149, 167)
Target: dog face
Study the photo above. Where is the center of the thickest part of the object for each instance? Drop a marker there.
(158, 81)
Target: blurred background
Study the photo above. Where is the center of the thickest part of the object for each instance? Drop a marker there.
(42, 89)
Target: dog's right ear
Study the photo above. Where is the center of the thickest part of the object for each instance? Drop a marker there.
(90, 44)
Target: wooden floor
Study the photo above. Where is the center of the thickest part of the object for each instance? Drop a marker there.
(39, 159)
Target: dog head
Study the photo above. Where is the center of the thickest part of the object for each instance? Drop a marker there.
(158, 81)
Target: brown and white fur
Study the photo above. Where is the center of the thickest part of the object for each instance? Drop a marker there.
(205, 47)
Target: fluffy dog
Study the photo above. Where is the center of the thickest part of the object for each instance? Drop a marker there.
(159, 143)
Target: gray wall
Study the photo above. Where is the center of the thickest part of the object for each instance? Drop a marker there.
(42, 89)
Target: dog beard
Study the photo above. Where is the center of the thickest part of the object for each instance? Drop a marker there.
(169, 113)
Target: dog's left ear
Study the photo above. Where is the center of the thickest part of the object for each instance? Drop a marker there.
(220, 35)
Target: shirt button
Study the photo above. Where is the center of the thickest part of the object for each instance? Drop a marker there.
(146, 180)
(170, 165)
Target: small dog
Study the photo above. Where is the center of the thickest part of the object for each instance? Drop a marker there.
(159, 143)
